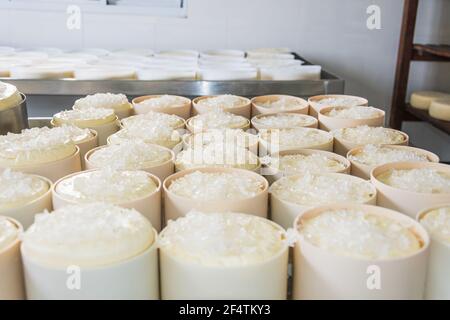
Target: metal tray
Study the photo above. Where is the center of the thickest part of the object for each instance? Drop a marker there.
(328, 84)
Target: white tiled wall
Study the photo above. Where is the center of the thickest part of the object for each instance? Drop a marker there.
(332, 33)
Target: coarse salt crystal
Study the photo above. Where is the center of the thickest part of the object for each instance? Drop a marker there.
(315, 163)
(103, 101)
(370, 135)
(354, 113)
(224, 101)
(284, 120)
(151, 118)
(437, 223)
(164, 101)
(217, 120)
(373, 155)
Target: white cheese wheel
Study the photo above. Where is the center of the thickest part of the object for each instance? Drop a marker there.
(423, 99)
(440, 109)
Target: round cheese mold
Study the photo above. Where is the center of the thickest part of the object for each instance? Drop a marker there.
(170, 104)
(239, 248)
(33, 147)
(291, 162)
(226, 136)
(217, 155)
(440, 109)
(343, 241)
(217, 120)
(437, 222)
(273, 140)
(410, 187)
(151, 133)
(331, 118)
(134, 155)
(88, 235)
(205, 186)
(12, 284)
(152, 117)
(283, 121)
(334, 100)
(226, 102)
(107, 185)
(9, 96)
(423, 99)
(9, 233)
(278, 103)
(294, 194)
(367, 157)
(18, 189)
(346, 139)
(118, 102)
(47, 70)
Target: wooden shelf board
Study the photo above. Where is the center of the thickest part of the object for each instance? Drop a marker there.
(424, 116)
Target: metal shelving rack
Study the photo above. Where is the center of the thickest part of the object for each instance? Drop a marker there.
(407, 53)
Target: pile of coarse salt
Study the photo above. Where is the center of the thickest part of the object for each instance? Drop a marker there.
(102, 101)
(93, 234)
(345, 101)
(17, 186)
(375, 155)
(155, 133)
(313, 189)
(224, 101)
(422, 180)
(222, 239)
(314, 163)
(85, 114)
(369, 135)
(164, 101)
(106, 185)
(208, 186)
(360, 235)
(296, 137)
(284, 120)
(217, 120)
(354, 113)
(130, 156)
(151, 118)
(282, 103)
(222, 155)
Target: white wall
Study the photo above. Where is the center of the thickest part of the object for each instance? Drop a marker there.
(332, 33)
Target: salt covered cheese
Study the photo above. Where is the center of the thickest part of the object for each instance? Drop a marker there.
(290, 164)
(296, 137)
(282, 103)
(163, 101)
(283, 120)
(354, 113)
(222, 239)
(106, 185)
(222, 102)
(87, 235)
(151, 118)
(19, 189)
(314, 189)
(422, 180)
(34, 146)
(9, 96)
(130, 156)
(217, 120)
(218, 136)
(376, 155)
(338, 101)
(359, 234)
(437, 223)
(85, 118)
(208, 186)
(217, 155)
(370, 135)
(117, 102)
(153, 133)
(8, 233)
